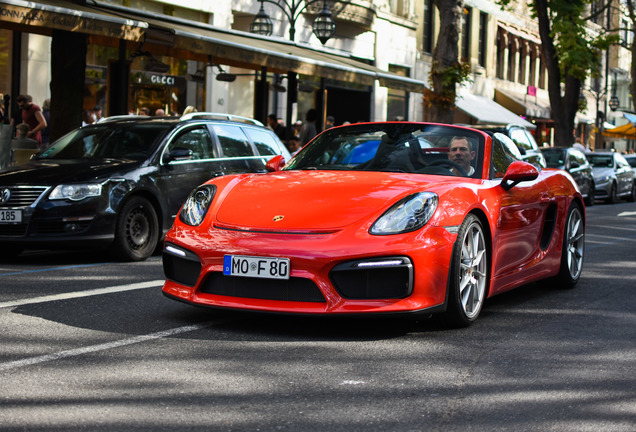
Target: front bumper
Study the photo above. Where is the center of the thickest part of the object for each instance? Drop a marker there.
(336, 273)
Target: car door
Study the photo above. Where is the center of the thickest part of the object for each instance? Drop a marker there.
(521, 215)
(189, 159)
(577, 171)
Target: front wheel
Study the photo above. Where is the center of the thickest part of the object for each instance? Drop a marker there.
(137, 230)
(468, 274)
(613, 195)
(573, 248)
(632, 194)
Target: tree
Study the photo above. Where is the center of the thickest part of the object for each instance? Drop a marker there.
(446, 70)
(571, 54)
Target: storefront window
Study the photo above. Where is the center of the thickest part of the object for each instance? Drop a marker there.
(6, 43)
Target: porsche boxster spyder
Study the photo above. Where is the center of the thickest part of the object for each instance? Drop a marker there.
(392, 217)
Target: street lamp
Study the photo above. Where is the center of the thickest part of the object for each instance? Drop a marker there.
(614, 103)
(324, 27)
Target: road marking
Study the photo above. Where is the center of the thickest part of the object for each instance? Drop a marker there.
(633, 213)
(52, 269)
(100, 347)
(87, 293)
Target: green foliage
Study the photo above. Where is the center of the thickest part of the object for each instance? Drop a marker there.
(443, 83)
(578, 52)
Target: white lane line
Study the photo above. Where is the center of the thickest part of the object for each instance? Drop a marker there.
(87, 293)
(100, 347)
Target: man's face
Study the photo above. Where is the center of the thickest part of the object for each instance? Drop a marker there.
(460, 153)
(22, 104)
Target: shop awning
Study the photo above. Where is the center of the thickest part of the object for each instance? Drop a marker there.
(276, 54)
(626, 131)
(487, 111)
(522, 105)
(51, 15)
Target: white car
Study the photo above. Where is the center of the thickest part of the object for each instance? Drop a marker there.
(613, 176)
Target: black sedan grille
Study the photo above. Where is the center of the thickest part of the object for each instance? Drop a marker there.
(22, 196)
(293, 289)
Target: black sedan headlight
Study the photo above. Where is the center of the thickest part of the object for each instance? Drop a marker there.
(408, 214)
(196, 206)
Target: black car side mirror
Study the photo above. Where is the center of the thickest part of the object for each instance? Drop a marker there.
(178, 154)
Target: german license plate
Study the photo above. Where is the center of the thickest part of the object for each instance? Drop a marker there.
(10, 216)
(258, 267)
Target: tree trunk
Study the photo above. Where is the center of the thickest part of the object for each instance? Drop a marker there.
(445, 56)
(564, 106)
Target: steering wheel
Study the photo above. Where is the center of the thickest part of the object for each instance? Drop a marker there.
(452, 164)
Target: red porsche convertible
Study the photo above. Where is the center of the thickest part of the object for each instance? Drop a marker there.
(393, 217)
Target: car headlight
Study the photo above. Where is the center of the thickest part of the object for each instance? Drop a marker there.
(76, 192)
(603, 179)
(196, 206)
(409, 214)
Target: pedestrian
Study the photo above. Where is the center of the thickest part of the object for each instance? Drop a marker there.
(22, 140)
(46, 132)
(330, 122)
(97, 113)
(32, 115)
(145, 111)
(273, 124)
(308, 130)
(189, 109)
(293, 145)
(160, 112)
(87, 117)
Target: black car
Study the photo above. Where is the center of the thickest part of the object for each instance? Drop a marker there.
(574, 162)
(524, 140)
(120, 182)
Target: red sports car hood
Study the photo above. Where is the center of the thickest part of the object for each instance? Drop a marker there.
(312, 201)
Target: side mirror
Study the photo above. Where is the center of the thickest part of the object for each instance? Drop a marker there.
(275, 164)
(518, 172)
(178, 154)
(574, 164)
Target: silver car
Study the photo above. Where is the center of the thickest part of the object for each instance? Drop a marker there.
(613, 176)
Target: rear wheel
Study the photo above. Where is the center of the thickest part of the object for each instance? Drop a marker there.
(573, 248)
(137, 230)
(469, 274)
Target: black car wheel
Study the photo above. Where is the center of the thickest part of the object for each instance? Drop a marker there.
(468, 274)
(632, 195)
(137, 230)
(573, 248)
(612, 197)
(589, 200)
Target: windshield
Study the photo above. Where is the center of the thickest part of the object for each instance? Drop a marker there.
(106, 141)
(555, 158)
(395, 147)
(600, 161)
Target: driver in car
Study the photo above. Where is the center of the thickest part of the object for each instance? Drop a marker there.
(461, 152)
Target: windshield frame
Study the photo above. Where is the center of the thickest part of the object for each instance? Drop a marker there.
(391, 147)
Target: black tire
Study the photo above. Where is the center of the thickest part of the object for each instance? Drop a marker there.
(468, 279)
(9, 253)
(632, 194)
(573, 248)
(612, 197)
(589, 201)
(137, 230)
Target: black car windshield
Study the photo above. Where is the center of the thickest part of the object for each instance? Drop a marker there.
(601, 161)
(394, 147)
(106, 141)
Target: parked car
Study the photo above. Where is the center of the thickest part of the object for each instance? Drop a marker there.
(631, 160)
(574, 162)
(613, 176)
(524, 140)
(120, 182)
(426, 223)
